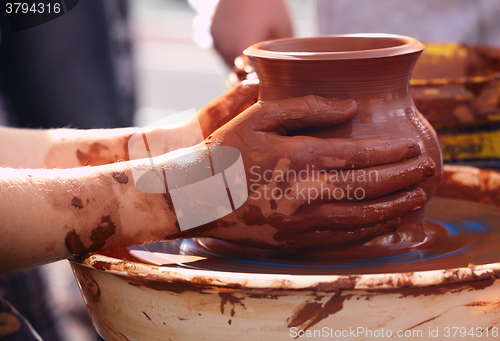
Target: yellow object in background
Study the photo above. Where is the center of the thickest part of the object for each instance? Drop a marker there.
(472, 142)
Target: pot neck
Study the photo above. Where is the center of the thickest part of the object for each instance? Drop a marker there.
(369, 81)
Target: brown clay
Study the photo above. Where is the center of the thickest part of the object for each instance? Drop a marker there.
(120, 177)
(265, 136)
(471, 183)
(372, 70)
(226, 106)
(90, 286)
(105, 229)
(311, 313)
(93, 155)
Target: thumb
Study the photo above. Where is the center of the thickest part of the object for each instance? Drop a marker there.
(228, 105)
(289, 115)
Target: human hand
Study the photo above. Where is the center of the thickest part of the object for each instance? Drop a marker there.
(239, 24)
(227, 106)
(306, 191)
(242, 70)
(164, 139)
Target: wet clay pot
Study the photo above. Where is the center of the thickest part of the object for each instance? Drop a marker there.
(374, 70)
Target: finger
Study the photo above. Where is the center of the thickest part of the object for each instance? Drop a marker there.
(326, 238)
(228, 105)
(289, 115)
(330, 154)
(363, 184)
(342, 216)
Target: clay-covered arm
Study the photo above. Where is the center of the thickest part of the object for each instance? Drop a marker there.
(47, 215)
(67, 148)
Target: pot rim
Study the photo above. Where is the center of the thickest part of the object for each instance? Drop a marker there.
(402, 45)
(325, 283)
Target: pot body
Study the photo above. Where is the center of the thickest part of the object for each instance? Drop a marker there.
(373, 70)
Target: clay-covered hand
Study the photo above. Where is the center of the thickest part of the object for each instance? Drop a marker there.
(242, 70)
(212, 116)
(227, 106)
(306, 191)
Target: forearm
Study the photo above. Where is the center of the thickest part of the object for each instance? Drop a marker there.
(47, 215)
(23, 148)
(62, 148)
(68, 148)
(74, 148)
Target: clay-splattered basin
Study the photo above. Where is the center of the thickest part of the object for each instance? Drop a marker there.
(132, 301)
(129, 300)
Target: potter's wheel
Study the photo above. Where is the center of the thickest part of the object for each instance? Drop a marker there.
(460, 234)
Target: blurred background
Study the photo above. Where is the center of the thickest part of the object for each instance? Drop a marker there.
(177, 68)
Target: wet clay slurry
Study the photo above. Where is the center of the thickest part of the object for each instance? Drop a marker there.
(310, 313)
(372, 70)
(105, 229)
(93, 155)
(457, 234)
(89, 286)
(83, 200)
(231, 299)
(77, 202)
(120, 177)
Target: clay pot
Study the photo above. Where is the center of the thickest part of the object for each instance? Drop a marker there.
(374, 70)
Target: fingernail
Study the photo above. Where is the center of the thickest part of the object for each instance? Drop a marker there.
(414, 149)
(428, 167)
